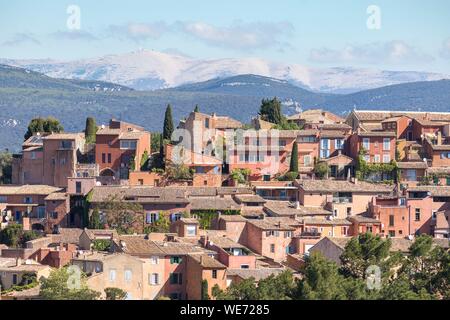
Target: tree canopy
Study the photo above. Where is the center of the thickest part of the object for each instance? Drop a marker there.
(66, 284)
(43, 125)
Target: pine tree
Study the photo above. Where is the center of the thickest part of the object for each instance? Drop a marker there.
(271, 111)
(168, 124)
(294, 158)
(91, 130)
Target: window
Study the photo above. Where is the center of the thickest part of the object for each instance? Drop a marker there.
(433, 215)
(175, 260)
(411, 175)
(366, 143)
(391, 220)
(54, 215)
(153, 279)
(151, 217)
(386, 144)
(245, 266)
(128, 144)
(272, 248)
(324, 148)
(376, 158)
(282, 143)
(191, 230)
(109, 158)
(349, 211)
(28, 200)
(207, 123)
(154, 260)
(78, 187)
(128, 275)
(33, 155)
(176, 278)
(266, 177)
(103, 157)
(307, 160)
(386, 158)
(307, 139)
(392, 233)
(3, 199)
(14, 279)
(417, 217)
(66, 144)
(339, 144)
(261, 157)
(288, 234)
(272, 233)
(41, 212)
(112, 275)
(214, 274)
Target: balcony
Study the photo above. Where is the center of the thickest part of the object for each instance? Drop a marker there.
(310, 235)
(342, 200)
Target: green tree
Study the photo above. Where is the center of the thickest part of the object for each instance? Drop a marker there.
(205, 295)
(115, 294)
(197, 109)
(5, 167)
(162, 225)
(321, 169)
(125, 217)
(57, 286)
(321, 281)
(144, 161)
(95, 221)
(293, 167)
(270, 110)
(41, 125)
(168, 124)
(366, 250)
(101, 245)
(155, 142)
(241, 176)
(90, 130)
(11, 235)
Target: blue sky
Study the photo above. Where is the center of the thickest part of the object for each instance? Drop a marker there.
(414, 34)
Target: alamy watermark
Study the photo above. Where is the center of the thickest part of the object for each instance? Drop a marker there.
(73, 22)
(374, 19)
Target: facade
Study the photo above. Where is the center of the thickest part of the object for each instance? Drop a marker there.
(119, 148)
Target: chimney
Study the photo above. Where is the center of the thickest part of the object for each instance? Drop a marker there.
(18, 262)
(297, 205)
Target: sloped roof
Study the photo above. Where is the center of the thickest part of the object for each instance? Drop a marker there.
(328, 186)
(207, 262)
(28, 190)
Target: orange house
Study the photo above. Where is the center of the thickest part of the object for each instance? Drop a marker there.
(118, 147)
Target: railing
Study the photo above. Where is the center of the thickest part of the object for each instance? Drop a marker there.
(278, 198)
(310, 234)
(342, 200)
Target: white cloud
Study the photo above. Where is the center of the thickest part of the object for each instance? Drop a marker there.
(239, 35)
(20, 38)
(389, 52)
(138, 31)
(445, 51)
(74, 35)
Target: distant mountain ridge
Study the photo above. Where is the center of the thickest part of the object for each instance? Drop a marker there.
(153, 70)
(25, 94)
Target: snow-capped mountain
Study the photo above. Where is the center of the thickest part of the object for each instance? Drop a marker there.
(150, 70)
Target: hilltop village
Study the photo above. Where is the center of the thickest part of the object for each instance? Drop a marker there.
(213, 202)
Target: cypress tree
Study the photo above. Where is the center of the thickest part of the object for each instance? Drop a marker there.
(197, 109)
(294, 158)
(168, 124)
(91, 130)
